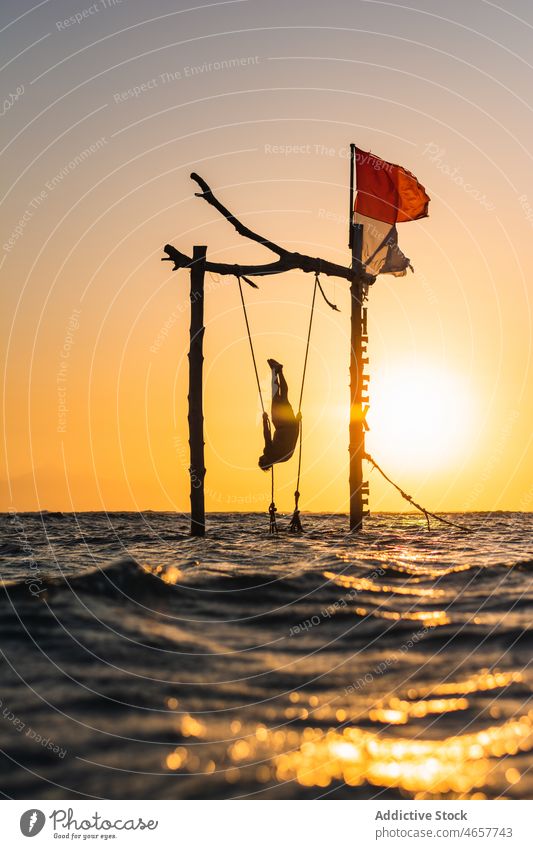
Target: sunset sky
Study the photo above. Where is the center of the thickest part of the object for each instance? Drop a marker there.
(104, 118)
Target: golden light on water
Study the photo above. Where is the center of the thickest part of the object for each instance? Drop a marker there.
(457, 764)
(240, 750)
(430, 618)
(366, 585)
(399, 711)
(168, 574)
(483, 680)
(512, 775)
(192, 727)
(177, 758)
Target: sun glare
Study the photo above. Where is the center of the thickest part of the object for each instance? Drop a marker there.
(421, 416)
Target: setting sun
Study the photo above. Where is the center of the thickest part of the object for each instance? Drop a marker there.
(422, 416)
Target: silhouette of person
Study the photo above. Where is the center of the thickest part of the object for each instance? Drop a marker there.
(280, 447)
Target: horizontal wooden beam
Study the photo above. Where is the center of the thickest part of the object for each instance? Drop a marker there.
(288, 262)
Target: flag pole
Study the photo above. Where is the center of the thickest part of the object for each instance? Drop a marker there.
(350, 215)
(357, 448)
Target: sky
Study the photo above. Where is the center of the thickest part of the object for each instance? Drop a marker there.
(109, 107)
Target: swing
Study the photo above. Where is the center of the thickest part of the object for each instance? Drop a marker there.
(295, 524)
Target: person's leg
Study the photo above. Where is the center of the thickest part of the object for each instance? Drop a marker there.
(275, 385)
(276, 410)
(282, 412)
(283, 388)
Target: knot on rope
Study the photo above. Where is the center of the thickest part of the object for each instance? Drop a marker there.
(295, 525)
(273, 529)
(250, 282)
(328, 302)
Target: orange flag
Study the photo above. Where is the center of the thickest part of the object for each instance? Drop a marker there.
(388, 192)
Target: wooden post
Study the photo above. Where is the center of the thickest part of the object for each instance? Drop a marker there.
(357, 437)
(196, 414)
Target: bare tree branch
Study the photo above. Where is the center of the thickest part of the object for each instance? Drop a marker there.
(288, 260)
(208, 195)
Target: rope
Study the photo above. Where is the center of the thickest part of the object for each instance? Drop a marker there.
(273, 528)
(308, 342)
(329, 303)
(408, 498)
(251, 344)
(295, 525)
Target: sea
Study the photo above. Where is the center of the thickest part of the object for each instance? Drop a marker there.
(140, 663)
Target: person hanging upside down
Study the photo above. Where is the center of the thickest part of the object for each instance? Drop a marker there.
(280, 447)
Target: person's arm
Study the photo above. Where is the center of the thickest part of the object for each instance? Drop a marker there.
(266, 431)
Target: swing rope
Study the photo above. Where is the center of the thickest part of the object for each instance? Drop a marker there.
(408, 498)
(251, 343)
(273, 528)
(295, 525)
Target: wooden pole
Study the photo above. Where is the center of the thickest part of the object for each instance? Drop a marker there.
(357, 437)
(196, 414)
